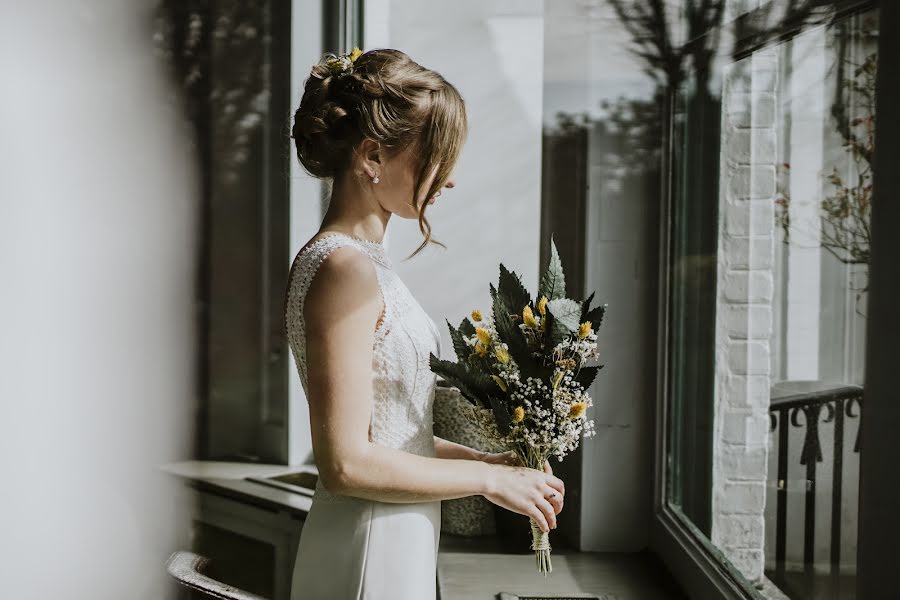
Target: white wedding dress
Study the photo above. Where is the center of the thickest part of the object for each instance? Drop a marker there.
(355, 548)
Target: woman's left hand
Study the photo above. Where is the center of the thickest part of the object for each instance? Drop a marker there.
(511, 458)
(502, 458)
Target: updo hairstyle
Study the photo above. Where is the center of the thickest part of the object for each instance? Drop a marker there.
(385, 96)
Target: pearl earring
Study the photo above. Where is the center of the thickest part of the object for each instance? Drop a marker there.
(375, 179)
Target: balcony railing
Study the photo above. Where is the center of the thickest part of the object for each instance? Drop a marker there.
(804, 406)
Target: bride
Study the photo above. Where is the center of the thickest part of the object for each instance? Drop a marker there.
(387, 132)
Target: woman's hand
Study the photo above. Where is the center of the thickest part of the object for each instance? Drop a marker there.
(526, 491)
(510, 458)
(502, 458)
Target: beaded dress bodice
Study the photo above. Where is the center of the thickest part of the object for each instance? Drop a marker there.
(402, 381)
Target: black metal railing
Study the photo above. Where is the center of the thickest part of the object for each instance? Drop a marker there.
(839, 403)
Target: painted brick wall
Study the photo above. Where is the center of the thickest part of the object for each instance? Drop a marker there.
(744, 310)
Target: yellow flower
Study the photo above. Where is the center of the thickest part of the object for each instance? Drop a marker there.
(500, 382)
(542, 305)
(577, 409)
(518, 414)
(480, 349)
(484, 336)
(476, 315)
(502, 355)
(584, 330)
(528, 317)
(356, 53)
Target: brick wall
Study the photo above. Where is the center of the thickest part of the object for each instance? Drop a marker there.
(744, 310)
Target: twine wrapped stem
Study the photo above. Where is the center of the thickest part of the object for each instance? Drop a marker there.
(540, 539)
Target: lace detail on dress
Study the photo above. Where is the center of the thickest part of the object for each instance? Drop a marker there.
(402, 381)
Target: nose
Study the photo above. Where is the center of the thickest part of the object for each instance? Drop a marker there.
(450, 183)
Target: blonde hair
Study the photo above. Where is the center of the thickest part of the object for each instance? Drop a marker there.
(391, 99)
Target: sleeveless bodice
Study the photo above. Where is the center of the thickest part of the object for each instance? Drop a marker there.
(403, 383)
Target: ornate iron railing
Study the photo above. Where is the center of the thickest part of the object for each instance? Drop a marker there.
(839, 404)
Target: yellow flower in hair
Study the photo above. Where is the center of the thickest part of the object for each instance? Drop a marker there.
(480, 350)
(476, 315)
(542, 305)
(584, 330)
(577, 409)
(484, 336)
(502, 355)
(356, 53)
(528, 317)
(518, 414)
(499, 381)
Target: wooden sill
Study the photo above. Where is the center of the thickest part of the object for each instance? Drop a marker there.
(475, 568)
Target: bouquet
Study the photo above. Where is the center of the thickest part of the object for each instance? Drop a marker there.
(525, 370)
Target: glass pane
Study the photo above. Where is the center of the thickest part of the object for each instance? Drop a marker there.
(770, 221)
(229, 62)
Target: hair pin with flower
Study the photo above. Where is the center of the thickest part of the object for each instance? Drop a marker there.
(339, 64)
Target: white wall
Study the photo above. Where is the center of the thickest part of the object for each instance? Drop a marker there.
(98, 203)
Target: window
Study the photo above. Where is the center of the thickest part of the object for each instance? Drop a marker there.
(773, 137)
(231, 62)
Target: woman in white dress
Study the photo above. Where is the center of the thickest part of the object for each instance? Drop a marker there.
(387, 132)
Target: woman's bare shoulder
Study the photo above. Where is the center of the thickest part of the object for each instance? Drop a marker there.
(345, 283)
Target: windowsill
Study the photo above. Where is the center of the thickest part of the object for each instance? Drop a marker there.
(474, 568)
(228, 479)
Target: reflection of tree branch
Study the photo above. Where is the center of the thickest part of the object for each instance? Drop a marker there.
(647, 24)
(217, 53)
(843, 229)
(863, 91)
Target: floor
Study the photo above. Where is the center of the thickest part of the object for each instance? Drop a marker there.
(480, 570)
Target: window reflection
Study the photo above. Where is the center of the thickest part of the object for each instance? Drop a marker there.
(770, 213)
(230, 64)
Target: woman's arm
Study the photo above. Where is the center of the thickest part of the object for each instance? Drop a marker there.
(341, 308)
(447, 449)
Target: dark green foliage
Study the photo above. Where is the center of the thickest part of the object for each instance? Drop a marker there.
(595, 316)
(566, 311)
(511, 291)
(554, 331)
(585, 307)
(510, 333)
(501, 413)
(473, 385)
(466, 327)
(459, 345)
(562, 320)
(553, 281)
(586, 376)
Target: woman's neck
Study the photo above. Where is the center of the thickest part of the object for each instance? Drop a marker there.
(355, 211)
